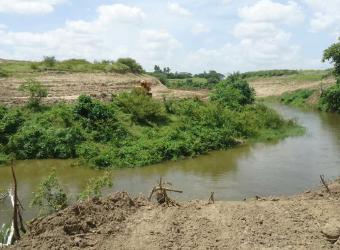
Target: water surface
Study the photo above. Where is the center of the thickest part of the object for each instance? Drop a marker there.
(287, 166)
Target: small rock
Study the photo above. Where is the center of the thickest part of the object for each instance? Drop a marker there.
(332, 230)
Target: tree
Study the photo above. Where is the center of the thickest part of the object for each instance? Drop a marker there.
(332, 54)
(50, 61)
(157, 69)
(36, 92)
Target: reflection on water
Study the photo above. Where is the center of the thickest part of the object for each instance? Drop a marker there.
(288, 166)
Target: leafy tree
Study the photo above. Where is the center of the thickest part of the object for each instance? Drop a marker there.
(94, 187)
(50, 61)
(332, 54)
(157, 69)
(36, 92)
(50, 196)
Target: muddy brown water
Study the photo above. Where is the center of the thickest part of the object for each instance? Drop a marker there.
(284, 167)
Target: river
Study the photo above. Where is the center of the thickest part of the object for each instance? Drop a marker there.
(284, 167)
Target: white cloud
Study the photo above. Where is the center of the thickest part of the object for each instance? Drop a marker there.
(117, 31)
(199, 28)
(258, 30)
(120, 13)
(157, 45)
(326, 15)
(28, 6)
(177, 9)
(268, 11)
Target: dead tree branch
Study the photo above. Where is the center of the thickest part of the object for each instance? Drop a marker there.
(160, 191)
(211, 198)
(322, 177)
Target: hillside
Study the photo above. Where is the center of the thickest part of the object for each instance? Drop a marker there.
(68, 86)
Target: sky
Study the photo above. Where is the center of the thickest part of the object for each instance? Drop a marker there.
(185, 35)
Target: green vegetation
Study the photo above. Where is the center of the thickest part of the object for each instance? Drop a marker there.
(330, 99)
(95, 186)
(297, 98)
(332, 54)
(269, 73)
(49, 63)
(36, 92)
(185, 80)
(50, 197)
(136, 130)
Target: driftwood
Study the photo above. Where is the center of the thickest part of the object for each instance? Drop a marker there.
(322, 177)
(160, 191)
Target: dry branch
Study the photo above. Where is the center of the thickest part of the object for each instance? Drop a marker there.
(322, 177)
(160, 191)
(211, 198)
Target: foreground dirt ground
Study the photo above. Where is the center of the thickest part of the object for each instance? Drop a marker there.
(307, 221)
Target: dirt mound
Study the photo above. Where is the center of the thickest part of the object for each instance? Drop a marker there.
(306, 221)
(81, 225)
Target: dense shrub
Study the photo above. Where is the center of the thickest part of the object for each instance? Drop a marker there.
(233, 92)
(136, 130)
(3, 73)
(142, 107)
(132, 64)
(330, 99)
(49, 61)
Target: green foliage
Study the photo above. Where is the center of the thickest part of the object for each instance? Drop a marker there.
(49, 61)
(36, 92)
(330, 99)
(99, 119)
(298, 97)
(332, 54)
(132, 64)
(233, 92)
(142, 108)
(136, 130)
(269, 73)
(50, 196)
(4, 233)
(95, 186)
(118, 68)
(3, 73)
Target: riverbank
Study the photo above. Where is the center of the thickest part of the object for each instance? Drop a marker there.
(310, 220)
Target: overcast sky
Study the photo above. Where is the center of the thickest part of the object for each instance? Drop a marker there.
(186, 35)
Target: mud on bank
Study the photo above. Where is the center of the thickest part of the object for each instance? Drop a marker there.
(306, 221)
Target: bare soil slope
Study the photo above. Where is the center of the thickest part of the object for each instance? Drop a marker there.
(68, 86)
(307, 221)
(276, 86)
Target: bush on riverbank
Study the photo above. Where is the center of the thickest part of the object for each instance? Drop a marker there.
(330, 99)
(136, 130)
